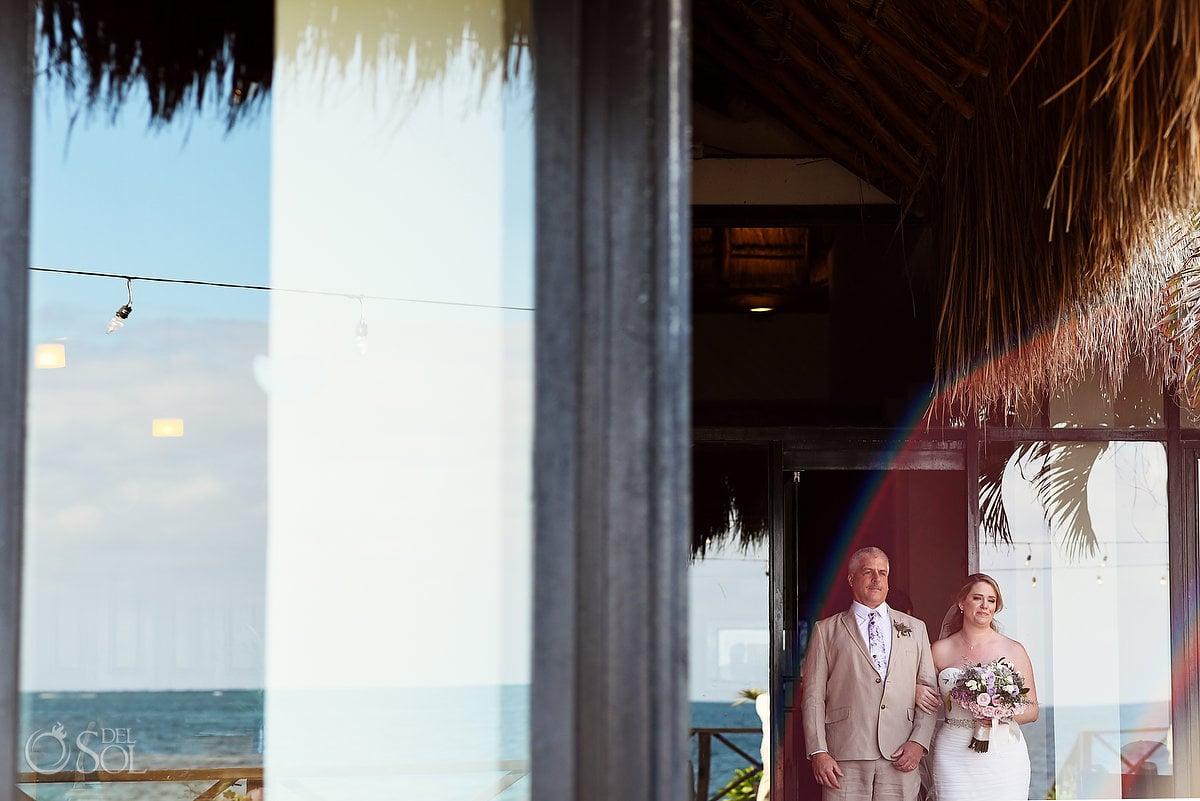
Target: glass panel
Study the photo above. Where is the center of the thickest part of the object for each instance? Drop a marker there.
(729, 618)
(279, 518)
(1138, 403)
(1085, 586)
(729, 665)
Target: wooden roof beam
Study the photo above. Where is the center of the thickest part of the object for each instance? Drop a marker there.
(841, 90)
(993, 11)
(842, 50)
(780, 90)
(906, 59)
(915, 16)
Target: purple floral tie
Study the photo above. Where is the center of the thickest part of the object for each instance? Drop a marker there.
(875, 642)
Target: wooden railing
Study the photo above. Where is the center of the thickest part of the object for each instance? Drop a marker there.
(704, 744)
(217, 780)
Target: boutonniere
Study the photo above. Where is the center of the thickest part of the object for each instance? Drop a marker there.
(902, 629)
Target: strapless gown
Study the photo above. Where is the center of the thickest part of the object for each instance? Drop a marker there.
(961, 774)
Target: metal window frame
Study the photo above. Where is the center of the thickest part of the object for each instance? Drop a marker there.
(612, 399)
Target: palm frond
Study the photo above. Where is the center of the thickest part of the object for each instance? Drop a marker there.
(1061, 484)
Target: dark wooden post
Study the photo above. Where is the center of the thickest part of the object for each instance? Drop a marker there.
(703, 765)
(16, 131)
(612, 468)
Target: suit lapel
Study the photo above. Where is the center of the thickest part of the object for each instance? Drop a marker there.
(850, 625)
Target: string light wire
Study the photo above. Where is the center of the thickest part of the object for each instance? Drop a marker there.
(265, 288)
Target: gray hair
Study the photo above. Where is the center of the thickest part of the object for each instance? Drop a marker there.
(862, 555)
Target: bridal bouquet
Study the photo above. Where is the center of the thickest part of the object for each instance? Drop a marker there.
(991, 691)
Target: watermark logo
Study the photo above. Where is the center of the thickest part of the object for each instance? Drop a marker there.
(94, 749)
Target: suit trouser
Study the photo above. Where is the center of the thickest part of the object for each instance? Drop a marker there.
(878, 779)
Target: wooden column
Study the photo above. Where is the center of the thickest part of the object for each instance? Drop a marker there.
(16, 83)
(612, 469)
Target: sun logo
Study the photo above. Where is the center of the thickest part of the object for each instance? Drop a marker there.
(37, 752)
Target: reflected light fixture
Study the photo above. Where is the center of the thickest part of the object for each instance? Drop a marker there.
(1033, 580)
(50, 356)
(167, 427)
(122, 314)
(360, 331)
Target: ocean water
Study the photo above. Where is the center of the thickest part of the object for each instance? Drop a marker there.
(724, 760)
(389, 733)
(445, 744)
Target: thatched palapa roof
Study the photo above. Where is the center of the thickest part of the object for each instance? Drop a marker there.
(1052, 144)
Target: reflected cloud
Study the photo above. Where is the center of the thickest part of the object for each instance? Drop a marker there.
(83, 518)
(295, 377)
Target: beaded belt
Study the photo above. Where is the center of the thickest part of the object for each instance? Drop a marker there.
(964, 723)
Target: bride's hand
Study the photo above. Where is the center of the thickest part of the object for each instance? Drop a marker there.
(926, 699)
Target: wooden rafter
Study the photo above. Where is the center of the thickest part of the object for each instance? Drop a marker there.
(881, 94)
(914, 16)
(782, 92)
(905, 59)
(836, 85)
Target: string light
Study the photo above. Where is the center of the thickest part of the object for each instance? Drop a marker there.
(360, 331)
(122, 314)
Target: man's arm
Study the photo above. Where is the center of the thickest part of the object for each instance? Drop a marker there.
(825, 768)
(923, 722)
(812, 692)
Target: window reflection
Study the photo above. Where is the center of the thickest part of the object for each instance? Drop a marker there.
(292, 488)
(1138, 403)
(1085, 585)
(729, 664)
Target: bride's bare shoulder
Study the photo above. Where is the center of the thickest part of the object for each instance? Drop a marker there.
(945, 653)
(1012, 645)
(1015, 651)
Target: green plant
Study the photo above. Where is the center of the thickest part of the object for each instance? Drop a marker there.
(744, 786)
(748, 695)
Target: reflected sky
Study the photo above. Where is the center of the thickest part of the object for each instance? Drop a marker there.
(315, 486)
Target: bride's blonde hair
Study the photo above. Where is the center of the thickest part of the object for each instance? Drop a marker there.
(954, 619)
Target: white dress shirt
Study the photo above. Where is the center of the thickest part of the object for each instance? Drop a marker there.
(861, 613)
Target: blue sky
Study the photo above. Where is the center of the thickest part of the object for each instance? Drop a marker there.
(157, 563)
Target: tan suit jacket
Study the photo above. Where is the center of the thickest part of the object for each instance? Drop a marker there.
(847, 709)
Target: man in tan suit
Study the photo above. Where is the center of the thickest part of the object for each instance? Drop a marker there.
(864, 734)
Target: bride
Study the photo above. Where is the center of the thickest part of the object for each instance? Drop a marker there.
(970, 638)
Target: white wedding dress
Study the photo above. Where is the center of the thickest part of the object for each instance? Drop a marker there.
(962, 774)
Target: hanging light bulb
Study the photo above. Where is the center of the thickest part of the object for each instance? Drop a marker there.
(122, 314)
(1033, 580)
(360, 331)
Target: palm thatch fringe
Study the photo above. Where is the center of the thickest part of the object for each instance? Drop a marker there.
(1065, 197)
(729, 498)
(187, 56)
